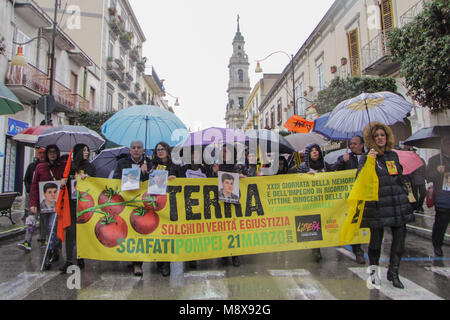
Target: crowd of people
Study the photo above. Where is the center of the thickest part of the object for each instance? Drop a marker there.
(394, 208)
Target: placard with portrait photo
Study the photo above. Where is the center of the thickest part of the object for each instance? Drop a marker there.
(48, 194)
(446, 182)
(130, 179)
(157, 182)
(228, 187)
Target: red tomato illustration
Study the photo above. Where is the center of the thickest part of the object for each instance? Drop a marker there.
(144, 220)
(109, 230)
(111, 196)
(85, 201)
(156, 202)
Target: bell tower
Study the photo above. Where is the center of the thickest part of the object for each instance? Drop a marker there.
(239, 82)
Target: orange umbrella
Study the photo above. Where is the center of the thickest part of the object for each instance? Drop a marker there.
(299, 124)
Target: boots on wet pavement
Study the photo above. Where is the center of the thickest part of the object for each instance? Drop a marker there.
(392, 273)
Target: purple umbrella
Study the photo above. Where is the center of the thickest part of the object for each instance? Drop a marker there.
(215, 135)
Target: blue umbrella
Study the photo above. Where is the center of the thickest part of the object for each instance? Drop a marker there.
(149, 124)
(319, 127)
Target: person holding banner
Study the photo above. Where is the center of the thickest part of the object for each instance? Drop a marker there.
(50, 170)
(228, 164)
(350, 161)
(136, 158)
(250, 168)
(314, 163)
(194, 169)
(81, 167)
(392, 208)
(163, 161)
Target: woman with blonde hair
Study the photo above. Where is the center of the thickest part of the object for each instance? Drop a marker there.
(392, 208)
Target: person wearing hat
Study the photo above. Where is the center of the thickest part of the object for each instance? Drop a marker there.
(314, 163)
(81, 168)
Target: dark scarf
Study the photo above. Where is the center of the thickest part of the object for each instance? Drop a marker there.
(316, 165)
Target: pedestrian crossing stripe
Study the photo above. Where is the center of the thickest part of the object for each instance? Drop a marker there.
(412, 291)
(443, 271)
(24, 284)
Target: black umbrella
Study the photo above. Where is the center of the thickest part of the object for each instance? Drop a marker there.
(105, 162)
(428, 138)
(267, 139)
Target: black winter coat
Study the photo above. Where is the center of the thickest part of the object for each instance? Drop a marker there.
(392, 208)
(127, 162)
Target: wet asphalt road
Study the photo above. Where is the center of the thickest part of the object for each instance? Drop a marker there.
(276, 276)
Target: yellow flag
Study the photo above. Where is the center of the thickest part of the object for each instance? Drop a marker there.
(364, 189)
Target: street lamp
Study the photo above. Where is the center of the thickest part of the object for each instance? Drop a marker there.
(19, 60)
(177, 103)
(291, 58)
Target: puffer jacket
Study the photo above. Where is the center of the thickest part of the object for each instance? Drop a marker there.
(392, 208)
(306, 166)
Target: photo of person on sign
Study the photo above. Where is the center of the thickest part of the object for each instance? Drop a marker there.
(48, 194)
(157, 183)
(446, 183)
(130, 179)
(228, 187)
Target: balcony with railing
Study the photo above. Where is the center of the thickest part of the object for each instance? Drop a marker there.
(114, 69)
(412, 12)
(29, 83)
(376, 58)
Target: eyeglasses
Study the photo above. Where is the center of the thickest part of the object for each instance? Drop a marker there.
(52, 151)
(160, 150)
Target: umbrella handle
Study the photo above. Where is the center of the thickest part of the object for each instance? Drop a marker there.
(368, 116)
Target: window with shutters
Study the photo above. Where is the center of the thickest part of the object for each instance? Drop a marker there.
(353, 45)
(387, 22)
(387, 15)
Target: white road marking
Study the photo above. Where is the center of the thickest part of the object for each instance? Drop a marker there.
(111, 286)
(412, 291)
(443, 271)
(23, 284)
(299, 284)
(205, 274)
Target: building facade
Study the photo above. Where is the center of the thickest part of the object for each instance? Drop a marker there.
(114, 44)
(154, 91)
(239, 83)
(28, 28)
(350, 40)
(253, 118)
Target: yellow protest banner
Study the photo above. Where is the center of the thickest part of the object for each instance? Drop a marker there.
(364, 189)
(275, 213)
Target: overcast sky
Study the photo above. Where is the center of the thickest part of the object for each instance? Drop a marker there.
(189, 43)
